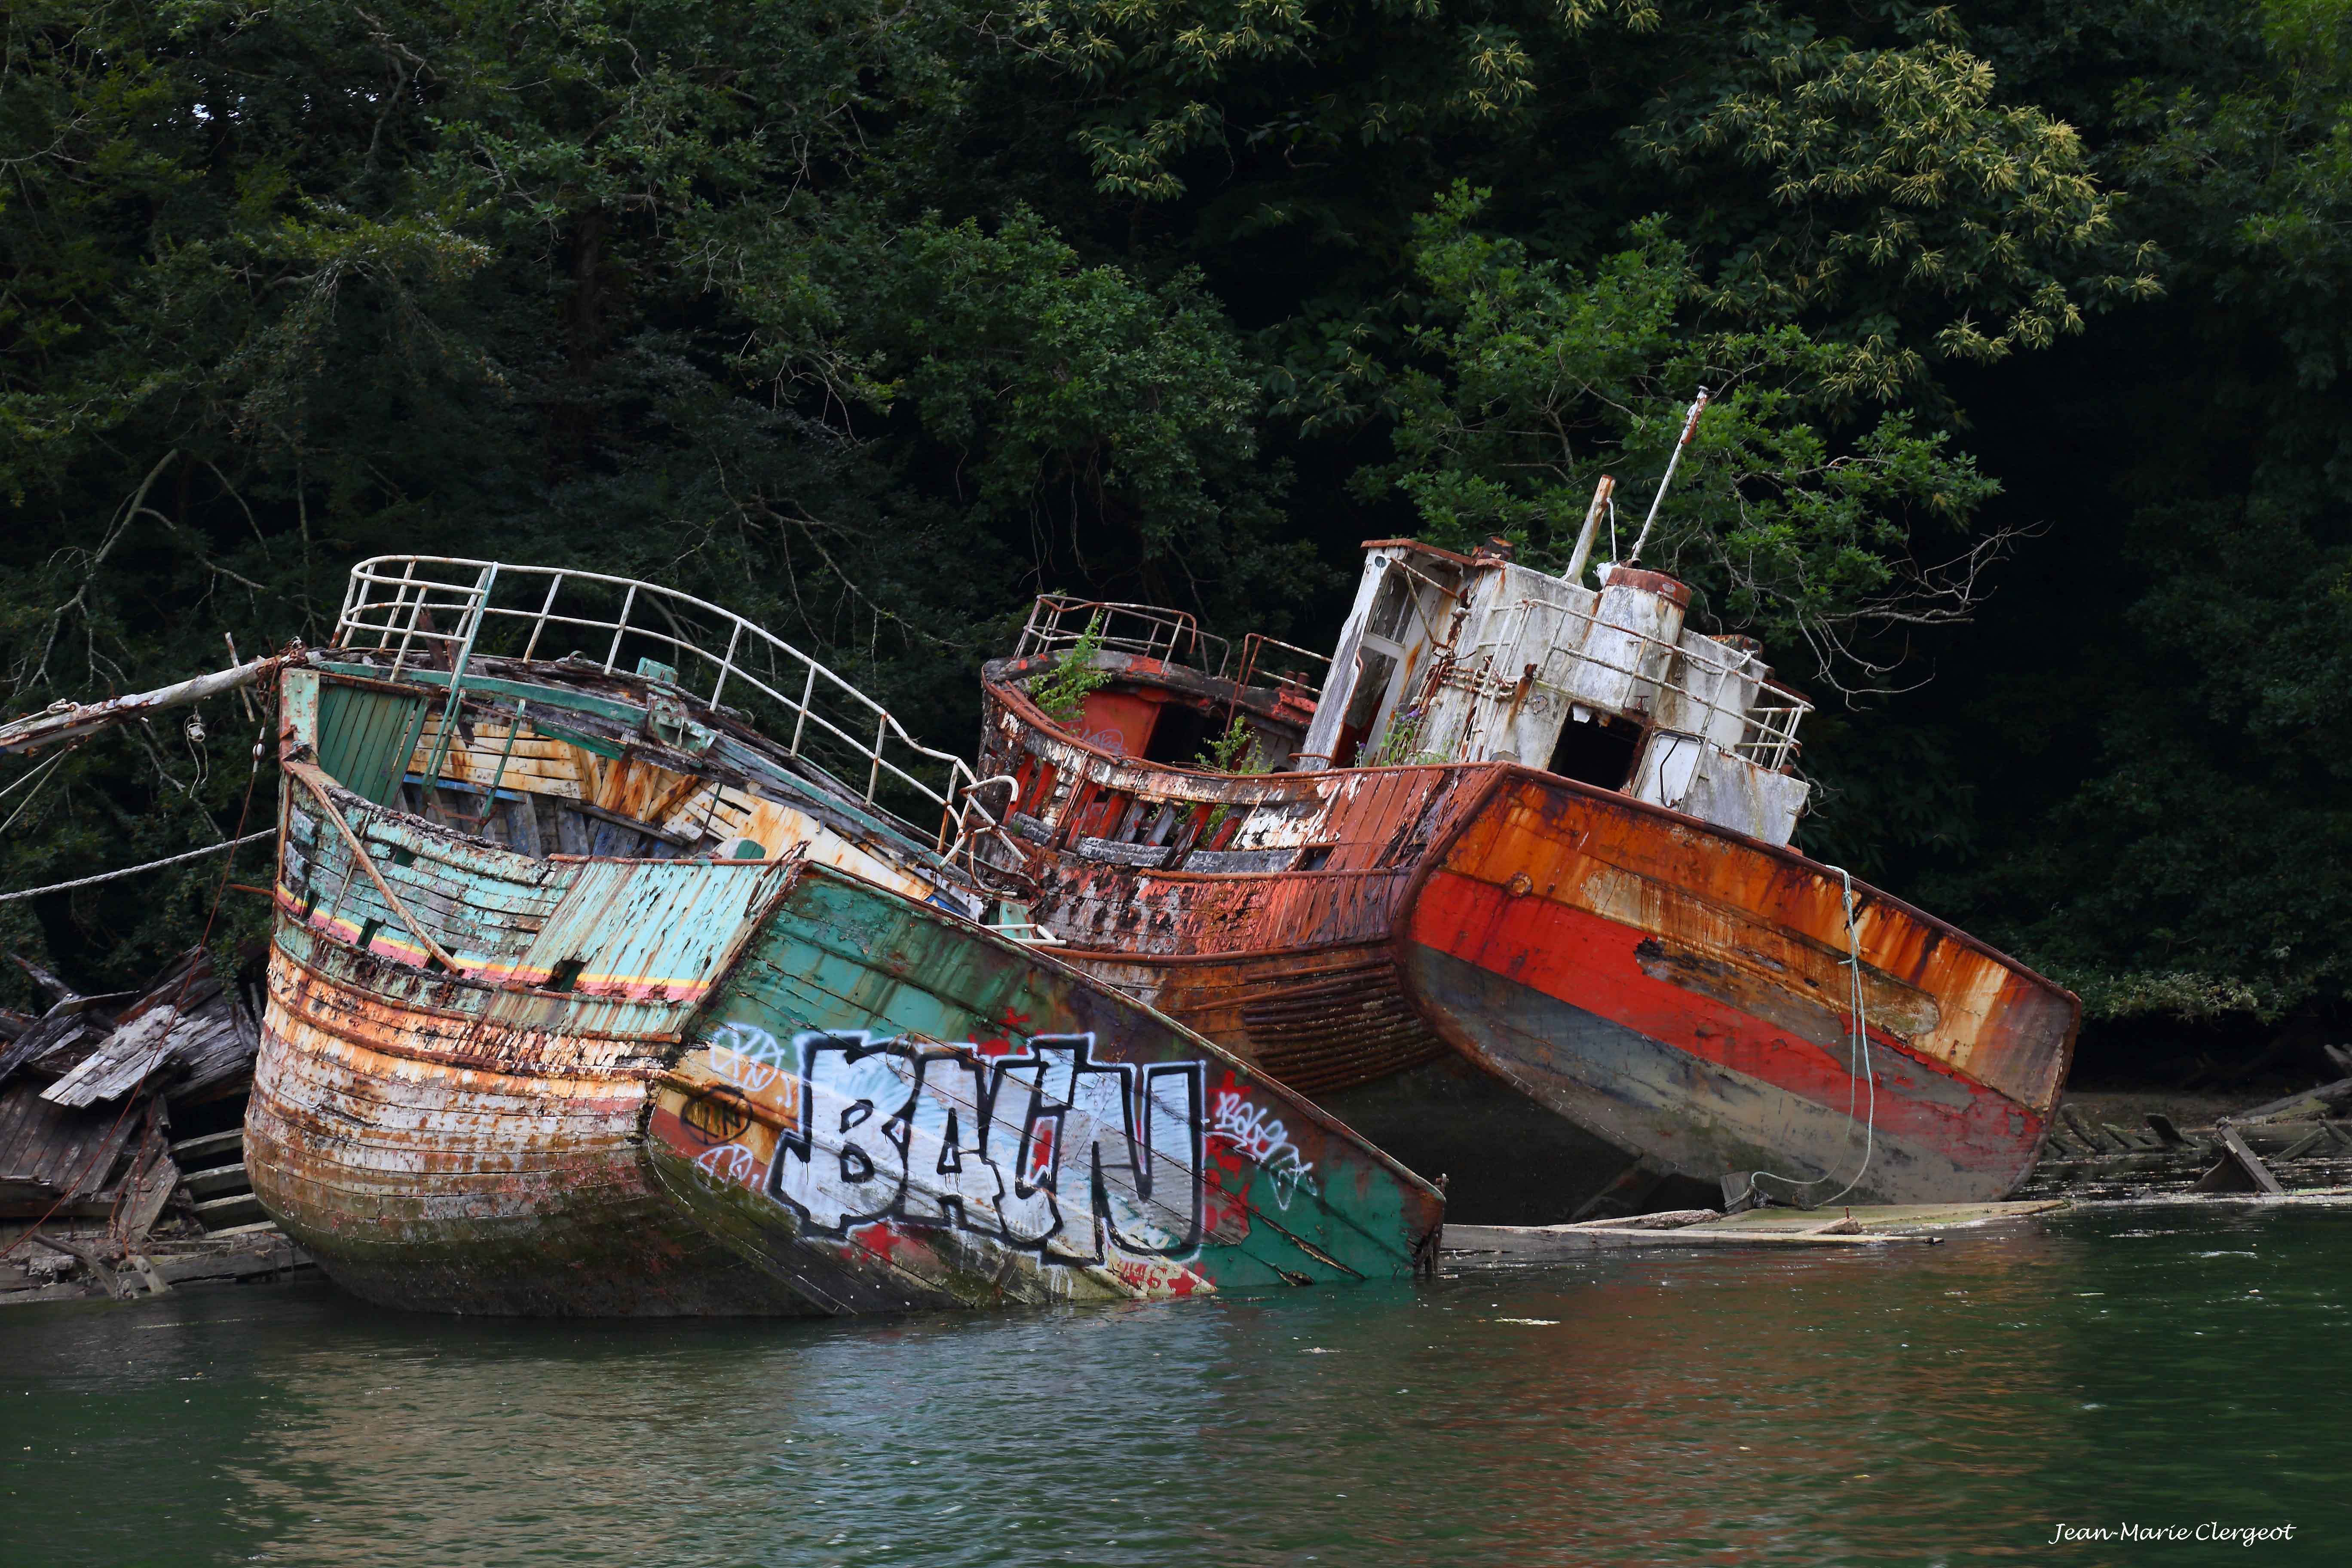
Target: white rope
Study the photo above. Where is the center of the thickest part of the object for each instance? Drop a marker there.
(1857, 1044)
(43, 774)
(135, 870)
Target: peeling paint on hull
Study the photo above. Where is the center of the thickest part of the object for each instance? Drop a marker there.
(1677, 995)
(765, 1087)
(1684, 995)
(517, 1186)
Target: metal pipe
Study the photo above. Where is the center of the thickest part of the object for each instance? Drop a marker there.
(399, 602)
(727, 663)
(1583, 552)
(620, 628)
(1689, 425)
(808, 695)
(546, 605)
(491, 805)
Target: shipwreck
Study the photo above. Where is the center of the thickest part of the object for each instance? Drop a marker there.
(624, 981)
(1506, 883)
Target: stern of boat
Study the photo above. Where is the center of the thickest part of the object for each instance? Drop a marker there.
(1688, 994)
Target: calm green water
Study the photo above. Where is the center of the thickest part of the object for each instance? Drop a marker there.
(1923, 1405)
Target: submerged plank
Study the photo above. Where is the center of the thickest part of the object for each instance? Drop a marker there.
(1476, 1245)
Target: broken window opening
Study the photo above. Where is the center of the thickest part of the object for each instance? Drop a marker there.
(1599, 750)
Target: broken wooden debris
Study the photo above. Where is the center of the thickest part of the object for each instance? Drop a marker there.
(1664, 1219)
(2238, 1169)
(2327, 1099)
(90, 1266)
(188, 1024)
(2082, 1128)
(90, 1095)
(2298, 1142)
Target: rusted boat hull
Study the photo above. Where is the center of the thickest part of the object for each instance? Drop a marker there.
(432, 1156)
(1686, 995)
(661, 1088)
(1562, 998)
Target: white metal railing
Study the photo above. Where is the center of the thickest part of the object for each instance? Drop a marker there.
(1172, 637)
(433, 609)
(1767, 721)
(1771, 740)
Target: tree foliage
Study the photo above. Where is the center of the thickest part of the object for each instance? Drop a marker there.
(869, 319)
(1532, 380)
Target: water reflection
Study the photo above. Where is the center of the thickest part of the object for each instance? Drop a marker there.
(1945, 1404)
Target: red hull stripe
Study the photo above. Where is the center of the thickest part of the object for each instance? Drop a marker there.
(1588, 961)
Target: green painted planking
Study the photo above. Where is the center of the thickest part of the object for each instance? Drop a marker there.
(364, 739)
(1366, 1246)
(589, 744)
(837, 955)
(483, 685)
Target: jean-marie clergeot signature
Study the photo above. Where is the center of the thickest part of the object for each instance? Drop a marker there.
(2210, 1529)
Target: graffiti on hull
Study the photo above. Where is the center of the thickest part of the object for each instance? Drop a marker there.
(1044, 1150)
(1265, 1141)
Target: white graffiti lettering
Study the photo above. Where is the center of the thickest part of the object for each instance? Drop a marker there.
(729, 1163)
(1046, 1150)
(747, 1055)
(1257, 1135)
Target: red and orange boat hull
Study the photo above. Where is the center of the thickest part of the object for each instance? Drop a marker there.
(1559, 996)
(1688, 996)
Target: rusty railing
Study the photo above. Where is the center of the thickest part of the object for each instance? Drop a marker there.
(1146, 631)
(1254, 652)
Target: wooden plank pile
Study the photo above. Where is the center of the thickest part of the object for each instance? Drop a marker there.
(121, 1141)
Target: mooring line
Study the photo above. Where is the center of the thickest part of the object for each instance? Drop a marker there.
(135, 870)
(1858, 1042)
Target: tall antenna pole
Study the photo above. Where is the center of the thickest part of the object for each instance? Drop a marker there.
(1689, 425)
(1575, 573)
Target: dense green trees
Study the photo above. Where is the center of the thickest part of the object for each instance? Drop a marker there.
(873, 319)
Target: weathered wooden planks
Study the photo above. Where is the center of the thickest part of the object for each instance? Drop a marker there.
(477, 1140)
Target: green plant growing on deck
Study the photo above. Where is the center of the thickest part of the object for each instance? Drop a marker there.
(1399, 744)
(1062, 694)
(1232, 751)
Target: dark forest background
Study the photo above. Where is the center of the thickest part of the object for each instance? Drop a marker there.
(872, 318)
